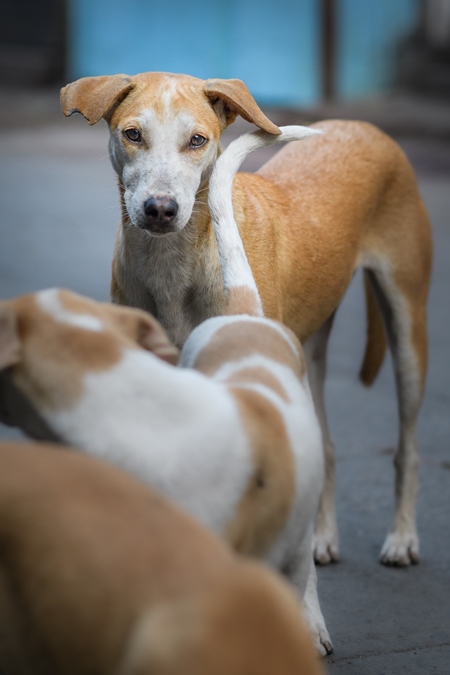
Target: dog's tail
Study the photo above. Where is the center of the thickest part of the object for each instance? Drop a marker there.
(376, 337)
(239, 284)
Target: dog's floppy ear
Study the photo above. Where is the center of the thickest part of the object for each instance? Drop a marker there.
(153, 337)
(94, 97)
(145, 330)
(9, 337)
(230, 98)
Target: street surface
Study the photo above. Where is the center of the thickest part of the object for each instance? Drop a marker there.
(59, 211)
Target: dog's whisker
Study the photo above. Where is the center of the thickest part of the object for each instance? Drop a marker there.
(205, 189)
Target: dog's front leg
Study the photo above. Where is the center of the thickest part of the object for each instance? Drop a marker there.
(302, 574)
(326, 538)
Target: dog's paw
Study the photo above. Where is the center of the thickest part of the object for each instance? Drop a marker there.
(400, 550)
(321, 639)
(325, 547)
(314, 617)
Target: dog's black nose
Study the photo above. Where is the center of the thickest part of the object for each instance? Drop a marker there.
(160, 211)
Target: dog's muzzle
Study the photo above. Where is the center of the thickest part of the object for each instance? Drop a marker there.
(160, 211)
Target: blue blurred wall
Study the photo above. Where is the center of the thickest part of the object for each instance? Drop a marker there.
(273, 45)
(368, 34)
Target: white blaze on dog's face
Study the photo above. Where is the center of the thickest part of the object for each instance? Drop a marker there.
(164, 150)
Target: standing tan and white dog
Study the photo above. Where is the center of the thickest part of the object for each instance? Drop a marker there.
(100, 575)
(309, 218)
(233, 439)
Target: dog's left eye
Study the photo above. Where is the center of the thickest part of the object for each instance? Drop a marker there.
(197, 141)
(132, 135)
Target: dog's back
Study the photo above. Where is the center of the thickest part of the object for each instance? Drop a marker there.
(100, 575)
(247, 627)
(85, 550)
(262, 366)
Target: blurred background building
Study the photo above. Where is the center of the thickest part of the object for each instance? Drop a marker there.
(289, 52)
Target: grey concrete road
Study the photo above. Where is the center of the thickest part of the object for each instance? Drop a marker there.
(59, 210)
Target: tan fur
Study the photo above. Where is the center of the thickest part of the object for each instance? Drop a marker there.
(138, 326)
(241, 300)
(376, 338)
(94, 566)
(236, 94)
(324, 207)
(258, 375)
(235, 342)
(112, 89)
(172, 630)
(268, 500)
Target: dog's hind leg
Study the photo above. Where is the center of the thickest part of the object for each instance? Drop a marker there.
(314, 614)
(301, 572)
(326, 540)
(401, 298)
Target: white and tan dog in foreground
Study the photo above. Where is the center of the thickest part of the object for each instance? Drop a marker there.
(98, 574)
(308, 218)
(233, 439)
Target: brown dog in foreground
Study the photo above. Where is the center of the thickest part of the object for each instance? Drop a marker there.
(98, 574)
(310, 217)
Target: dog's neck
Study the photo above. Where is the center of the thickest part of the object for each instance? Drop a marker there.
(170, 267)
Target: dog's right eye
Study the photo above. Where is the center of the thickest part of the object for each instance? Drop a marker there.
(133, 135)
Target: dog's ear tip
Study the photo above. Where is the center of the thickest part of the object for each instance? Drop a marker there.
(72, 111)
(266, 125)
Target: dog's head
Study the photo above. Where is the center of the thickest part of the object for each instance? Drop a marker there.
(50, 340)
(165, 131)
